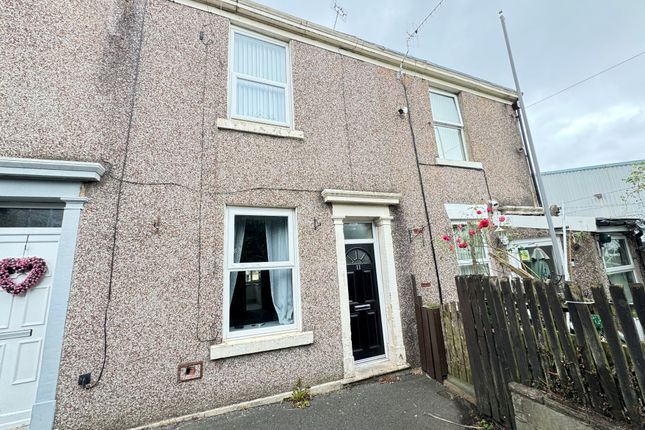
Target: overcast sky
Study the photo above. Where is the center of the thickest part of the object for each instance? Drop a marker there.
(555, 44)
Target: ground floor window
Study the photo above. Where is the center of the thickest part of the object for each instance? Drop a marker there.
(537, 259)
(473, 258)
(619, 264)
(535, 256)
(261, 270)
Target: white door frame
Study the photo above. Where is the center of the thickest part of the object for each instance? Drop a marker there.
(379, 283)
(34, 180)
(361, 206)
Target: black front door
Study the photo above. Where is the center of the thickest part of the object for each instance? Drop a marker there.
(364, 309)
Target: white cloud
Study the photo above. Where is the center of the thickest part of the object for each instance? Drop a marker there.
(600, 121)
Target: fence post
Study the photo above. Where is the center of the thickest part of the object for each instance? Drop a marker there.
(616, 351)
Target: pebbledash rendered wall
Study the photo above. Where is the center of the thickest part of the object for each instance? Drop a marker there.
(79, 85)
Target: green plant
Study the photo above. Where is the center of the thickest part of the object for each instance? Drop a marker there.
(487, 424)
(636, 181)
(597, 322)
(300, 395)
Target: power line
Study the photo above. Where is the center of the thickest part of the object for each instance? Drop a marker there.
(586, 79)
(593, 195)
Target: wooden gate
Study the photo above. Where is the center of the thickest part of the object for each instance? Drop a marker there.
(431, 342)
(518, 331)
(456, 350)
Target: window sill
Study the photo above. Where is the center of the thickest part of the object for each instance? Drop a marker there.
(233, 348)
(258, 128)
(459, 163)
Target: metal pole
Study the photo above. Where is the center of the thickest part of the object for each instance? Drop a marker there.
(559, 266)
(565, 242)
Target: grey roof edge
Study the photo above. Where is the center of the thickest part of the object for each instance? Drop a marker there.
(293, 24)
(593, 167)
(32, 168)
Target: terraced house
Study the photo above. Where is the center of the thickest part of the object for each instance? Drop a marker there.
(226, 198)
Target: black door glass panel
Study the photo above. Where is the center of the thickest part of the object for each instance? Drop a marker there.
(31, 217)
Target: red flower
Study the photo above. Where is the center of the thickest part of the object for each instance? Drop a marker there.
(463, 245)
(479, 212)
(458, 239)
(488, 209)
(502, 218)
(472, 232)
(483, 224)
(446, 238)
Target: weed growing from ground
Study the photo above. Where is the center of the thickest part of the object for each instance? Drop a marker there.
(300, 395)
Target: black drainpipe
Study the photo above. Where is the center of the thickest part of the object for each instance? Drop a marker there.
(518, 116)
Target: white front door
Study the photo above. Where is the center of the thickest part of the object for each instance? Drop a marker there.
(22, 324)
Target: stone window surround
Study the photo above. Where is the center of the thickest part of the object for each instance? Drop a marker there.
(51, 181)
(372, 206)
(258, 128)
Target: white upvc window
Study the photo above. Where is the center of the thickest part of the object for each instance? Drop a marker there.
(261, 293)
(619, 264)
(474, 259)
(259, 78)
(535, 256)
(448, 126)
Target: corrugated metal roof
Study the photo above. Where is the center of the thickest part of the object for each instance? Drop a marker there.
(598, 191)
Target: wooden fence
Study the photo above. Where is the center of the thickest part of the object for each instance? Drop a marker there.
(455, 340)
(519, 331)
(431, 341)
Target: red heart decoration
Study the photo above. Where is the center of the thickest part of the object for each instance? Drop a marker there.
(34, 267)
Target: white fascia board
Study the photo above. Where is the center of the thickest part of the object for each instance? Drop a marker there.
(574, 223)
(361, 197)
(32, 168)
(456, 211)
(459, 212)
(247, 13)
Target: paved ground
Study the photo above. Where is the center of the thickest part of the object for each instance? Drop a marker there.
(366, 406)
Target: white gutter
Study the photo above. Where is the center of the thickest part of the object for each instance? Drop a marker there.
(309, 30)
(461, 212)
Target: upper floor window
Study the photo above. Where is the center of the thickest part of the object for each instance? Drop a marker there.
(260, 79)
(448, 125)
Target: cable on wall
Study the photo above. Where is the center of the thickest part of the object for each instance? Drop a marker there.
(490, 197)
(214, 193)
(347, 133)
(119, 193)
(409, 38)
(423, 194)
(206, 42)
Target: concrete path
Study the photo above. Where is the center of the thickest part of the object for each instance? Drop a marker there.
(367, 406)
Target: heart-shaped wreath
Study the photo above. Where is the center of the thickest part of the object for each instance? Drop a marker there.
(34, 267)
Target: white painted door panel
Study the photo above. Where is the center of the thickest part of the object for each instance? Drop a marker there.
(22, 325)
